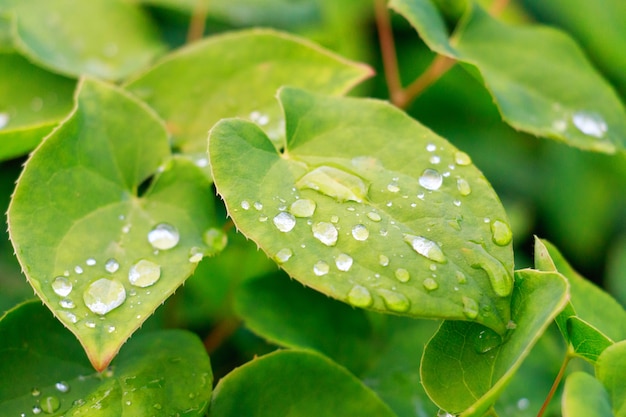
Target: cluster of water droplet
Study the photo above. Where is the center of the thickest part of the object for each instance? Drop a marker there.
(48, 403)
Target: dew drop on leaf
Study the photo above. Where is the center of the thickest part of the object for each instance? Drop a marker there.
(360, 232)
(283, 255)
(245, 204)
(425, 247)
(320, 268)
(62, 286)
(303, 208)
(215, 239)
(78, 269)
(394, 301)
(37, 410)
(431, 147)
(163, 236)
(195, 254)
(359, 296)
(71, 317)
(35, 392)
(501, 233)
(461, 158)
(393, 187)
(90, 262)
(430, 284)
(62, 386)
(373, 216)
(258, 205)
(111, 265)
(144, 273)
(343, 262)
(4, 120)
(501, 281)
(486, 340)
(591, 124)
(383, 260)
(470, 307)
(435, 159)
(431, 179)
(91, 324)
(67, 303)
(463, 186)
(284, 221)
(335, 183)
(103, 296)
(334, 219)
(325, 233)
(402, 275)
(460, 277)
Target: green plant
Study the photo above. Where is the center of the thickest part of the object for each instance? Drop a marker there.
(383, 221)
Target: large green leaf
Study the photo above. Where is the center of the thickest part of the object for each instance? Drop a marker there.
(368, 206)
(294, 383)
(44, 369)
(610, 369)
(466, 366)
(90, 245)
(548, 90)
(109, 39)
(585, 396)
(237, 74)
(30, 107)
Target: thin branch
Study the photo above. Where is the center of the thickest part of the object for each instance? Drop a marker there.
(388, 50)
(440, 65)
(222, 331)
(197, 22)
(555, 385)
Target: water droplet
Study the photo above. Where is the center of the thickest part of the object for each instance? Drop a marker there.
(144, 273)
(359, 296)
(110, 329)
(284, 221)
(393, 187)
(470, 307)
(37, 410)
(245, 205)
(163, 236)
(283, 255)
(334, 219)
(202, 162)
(431, 179)
(325, 233)
(460, 277)
(303, 208)
(111, 265)
(35, 392)
(591, 124)
(486, 340)
(457, 203)
(259, 118)
(78, 269)
(126, 229)
(4, 120)
(215, 239)
(360, 232)
(103, 296)
(425, 247)
(343, 262)
(91, 324)
(430, 284)
(435, 159)
(90, 262)
(461, 158)
(501, 233)
(195, 254)
(67, 303)
(258, 205)
(463, 186)
(402, 275)
(431, 147)
(383, 260)
(375, 217)
(62, 286)
(500, 279)
(443, 413)
(523, 404)
(320, 268)
(335, 183)
(394, 301)
(262, 218)
(71, 317)
(62, 386)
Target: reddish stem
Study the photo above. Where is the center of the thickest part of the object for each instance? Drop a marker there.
(555, 385)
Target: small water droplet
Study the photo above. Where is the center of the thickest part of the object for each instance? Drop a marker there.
(334, 219)
(460, 277)
(383, 260)
(91, 324)
(111, 265)
(395, 301)
(470, 307)
(325, 233)
(195, 254)
(35, 392)
(457, 203)
(393, 187)
(71, 317)
(62, 386)
(335, 183)
(67, 303)
(430, 284)
(523, 404)
(215, 239)
(320, 268)
(163, 236)
(202, 162)
(62, 286)
(431, 147)
(360, 232)
(402, 275)
(284, 221)
(486, 340)
(262, 218)
(501, 233)
(245, 204)
(126, 228)
(461, 158)
(435, 159)
(259, 118)
(463, 186)
(258, 205)
(144, 273)
(4, 120)
(359, 296)
(591, 124)
(110, 329)
(431, 179)
(90, 262)
(283, 255)
(303, 208)
(37, 410)
(425, 247)
(104, 295)
(375, 217)
(78, 269)
(343, 262)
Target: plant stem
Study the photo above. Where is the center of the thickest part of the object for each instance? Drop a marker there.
(555, 385)
(497, 7)
(197, 22)
(440, 65)
(222, 331)
(388, 50)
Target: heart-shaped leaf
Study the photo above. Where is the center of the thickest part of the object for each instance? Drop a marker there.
(101, 256)
(160, 373)
(366, 205)
(610, 370)
(583, 396)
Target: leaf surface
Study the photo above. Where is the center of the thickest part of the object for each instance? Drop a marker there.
(610, 370)
(586, 340)
(81, 229)
(583, 396)
(368, 206)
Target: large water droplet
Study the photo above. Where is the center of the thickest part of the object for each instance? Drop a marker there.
(284, 221)
(591, 124)
(104, 295)
(463, 186)
(325, 233)
(395, 301)
(283, 255)
(163, 236)
(360, 232)
(425, 247)
(501, 233)
(343, 262)
(461, 158)
(470, 307)
(62, 286)
(430, 284)
(431, 179)
(383, 260)
(359, 296)
(500, 279)
(111, 265)
(321, 268)
(62, 386)
(486, 340)
(144, 273)
(303, 208)
(49, 404)
(335, 183)
(215, 239)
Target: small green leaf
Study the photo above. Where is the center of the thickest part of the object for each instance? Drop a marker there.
(585, 339)
(237, 74)
(465, 366)
(160, 373)
(29, 109)
(420, 241)
(585, 396)
(108, 39)
(294, 383)
(548, 90)
(610, 370)
(101, 256)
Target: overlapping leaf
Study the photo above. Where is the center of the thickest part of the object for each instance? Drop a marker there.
(366, 205)
(584, 395)
(610, 370)
(81, 229)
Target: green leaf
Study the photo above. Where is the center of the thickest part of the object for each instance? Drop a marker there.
(585, 396)
(466, 366)
(237, 74)
(548, 90)
(80, 229)
(108, 39)
(585, 339)
(610, 370)
(368, 206)
(163, 373)
(616, 269)
(294, 383)
(30, 108)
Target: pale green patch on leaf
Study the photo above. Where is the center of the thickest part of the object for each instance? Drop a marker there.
(584, 396)
(237, 74)
(108, 39)
(415, 245)
(465, 366)
(610, 370)
(549, 89)
(316, 387)
(81, 230)
(161, 373)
